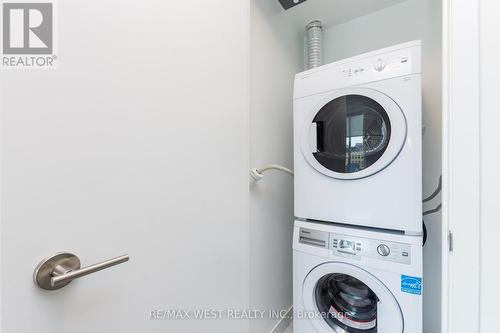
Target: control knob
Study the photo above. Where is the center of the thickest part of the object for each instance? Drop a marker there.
(383, 250)
(380, 65)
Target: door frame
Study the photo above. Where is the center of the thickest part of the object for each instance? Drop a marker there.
(461, 176)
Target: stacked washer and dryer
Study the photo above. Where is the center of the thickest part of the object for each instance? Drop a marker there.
(358, 194)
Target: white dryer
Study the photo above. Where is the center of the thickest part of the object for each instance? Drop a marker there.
(356, 281)
(358, 140)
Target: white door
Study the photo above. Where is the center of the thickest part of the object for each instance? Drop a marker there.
(471, 184)
(129, 147)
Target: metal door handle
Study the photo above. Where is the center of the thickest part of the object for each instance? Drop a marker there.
(60, 269)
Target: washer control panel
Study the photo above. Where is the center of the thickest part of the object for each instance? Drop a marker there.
(384, 250)
(356, 248)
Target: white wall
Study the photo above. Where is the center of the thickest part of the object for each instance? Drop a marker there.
(137, 143)
(276, 57)
(410, 20)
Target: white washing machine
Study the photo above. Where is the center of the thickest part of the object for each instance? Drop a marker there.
(349, 280)
(358, 141)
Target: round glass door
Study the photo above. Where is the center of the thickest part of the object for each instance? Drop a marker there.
(354, 133)
(347, 302)
(348, 299)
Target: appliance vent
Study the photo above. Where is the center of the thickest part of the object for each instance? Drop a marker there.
(314, 44)
(287, 4)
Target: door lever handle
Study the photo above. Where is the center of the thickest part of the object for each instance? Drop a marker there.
(59, 270)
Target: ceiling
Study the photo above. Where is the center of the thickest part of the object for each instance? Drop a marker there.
(333, 12)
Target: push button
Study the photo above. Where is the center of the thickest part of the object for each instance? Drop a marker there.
(380, 66)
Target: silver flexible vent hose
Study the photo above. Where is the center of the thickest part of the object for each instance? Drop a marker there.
(314, 44)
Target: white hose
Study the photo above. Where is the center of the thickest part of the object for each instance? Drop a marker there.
(258, 173)
(275, 167)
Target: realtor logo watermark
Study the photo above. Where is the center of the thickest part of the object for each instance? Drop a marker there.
(28, 35)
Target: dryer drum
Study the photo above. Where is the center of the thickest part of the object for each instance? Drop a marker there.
(353, 132)
(349, 303)
(287, 4)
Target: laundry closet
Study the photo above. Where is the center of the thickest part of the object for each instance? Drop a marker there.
(279, 51)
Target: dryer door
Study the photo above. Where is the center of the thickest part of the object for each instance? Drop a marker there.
(343, 298)
(354, 133)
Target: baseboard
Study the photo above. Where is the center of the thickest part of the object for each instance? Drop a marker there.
(284, 322)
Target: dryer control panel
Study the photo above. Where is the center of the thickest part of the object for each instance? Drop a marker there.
(355, 248)
(393, 62)
(371, 69)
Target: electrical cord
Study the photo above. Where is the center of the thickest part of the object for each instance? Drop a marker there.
(425, 233)
(436, 192)
(432, 211)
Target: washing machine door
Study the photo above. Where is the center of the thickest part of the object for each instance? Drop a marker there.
(354, 133)
(343, 298)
